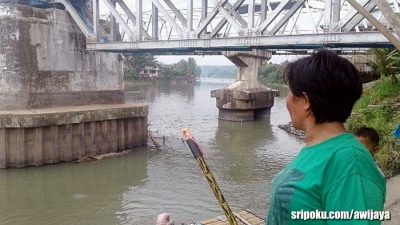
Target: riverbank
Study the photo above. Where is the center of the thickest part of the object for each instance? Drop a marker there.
(157, 80)
(379, 108)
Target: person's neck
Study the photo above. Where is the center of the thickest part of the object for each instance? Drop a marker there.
(317, 133)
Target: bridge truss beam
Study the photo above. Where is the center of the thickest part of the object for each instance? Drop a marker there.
(187, 26)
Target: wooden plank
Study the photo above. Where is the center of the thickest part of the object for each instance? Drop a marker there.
(56, 149)
(12, 147)
(62, 143)
(121, 135)
(77, 141)
(128, 133)
(131, 134)
(90, 138)
(48, 145)
(81, 131)
(106, 138)
(65, 143)
(113, 135)
(69, 153)
(101, 135)
(136, 136)
(144, 130)
(21, 154)
(38, 147)
(30, 145)
(3, 148)
(139, 135)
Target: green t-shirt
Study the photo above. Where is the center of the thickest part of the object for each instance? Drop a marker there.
(338, 174)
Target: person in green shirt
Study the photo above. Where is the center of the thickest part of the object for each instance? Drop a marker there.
(333, 179)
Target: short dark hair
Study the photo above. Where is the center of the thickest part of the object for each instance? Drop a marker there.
(331, 83)
(369, 133)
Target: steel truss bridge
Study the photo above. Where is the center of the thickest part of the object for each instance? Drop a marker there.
(210, 26)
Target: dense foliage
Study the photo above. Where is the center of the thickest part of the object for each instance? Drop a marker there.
(182, 68)
(386, 62)
(379, 108)
(271, 73)
(133, 64)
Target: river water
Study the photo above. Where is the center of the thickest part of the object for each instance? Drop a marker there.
(244, 157)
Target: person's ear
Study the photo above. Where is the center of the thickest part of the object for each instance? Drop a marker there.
(307, 105)
(376, 149)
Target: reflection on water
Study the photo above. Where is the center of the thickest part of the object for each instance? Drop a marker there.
(244, 157)
(238, 144)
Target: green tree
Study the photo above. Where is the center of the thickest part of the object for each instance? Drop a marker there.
(386, 62)
(271, 73)
(191, 66)
(133, 64)
(181, 68)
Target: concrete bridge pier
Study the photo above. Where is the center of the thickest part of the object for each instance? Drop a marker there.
(246, 98)
(59, 102)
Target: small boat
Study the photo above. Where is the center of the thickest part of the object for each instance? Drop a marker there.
(243, 218)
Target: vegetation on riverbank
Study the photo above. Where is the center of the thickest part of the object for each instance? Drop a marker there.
(379, 108)
(182, 70)
(271, 73)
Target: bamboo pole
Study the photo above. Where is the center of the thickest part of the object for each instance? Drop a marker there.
(198, 155)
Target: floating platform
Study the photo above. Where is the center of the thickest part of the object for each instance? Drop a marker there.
(243, 218)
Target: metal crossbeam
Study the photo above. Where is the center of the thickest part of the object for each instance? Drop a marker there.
(274, 15)
(287, 16)
(214, 25)
(273, 42)
(353, 18)
(78, 20)
(224, 21)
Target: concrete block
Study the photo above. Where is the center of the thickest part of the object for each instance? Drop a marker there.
(35, 146)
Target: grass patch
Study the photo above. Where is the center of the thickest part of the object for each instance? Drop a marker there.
(379, 108)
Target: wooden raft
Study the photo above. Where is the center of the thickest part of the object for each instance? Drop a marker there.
(243, 218)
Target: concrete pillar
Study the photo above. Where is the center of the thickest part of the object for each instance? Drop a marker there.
(59, 102)
(246, 98)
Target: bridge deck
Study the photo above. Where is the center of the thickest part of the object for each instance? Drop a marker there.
(279, 42)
